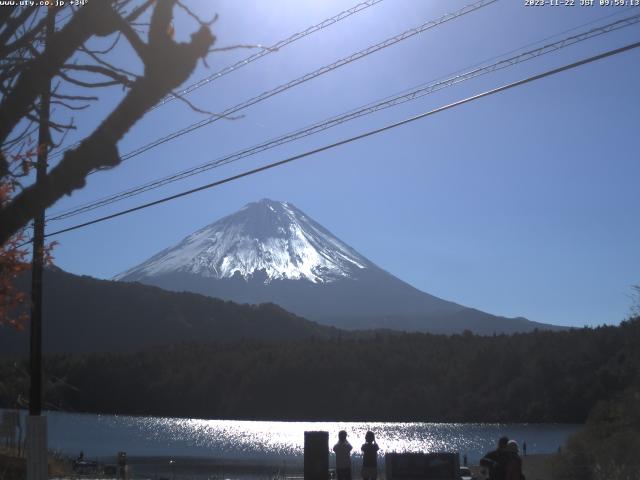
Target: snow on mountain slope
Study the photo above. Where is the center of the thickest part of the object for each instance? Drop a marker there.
(271, 252)
(274, 237)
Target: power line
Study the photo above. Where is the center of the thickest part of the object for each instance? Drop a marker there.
(388, 102)
(269, 166)
(306, 77)
(327, 68)
(271, 49)
(252, 58)
(370, 108)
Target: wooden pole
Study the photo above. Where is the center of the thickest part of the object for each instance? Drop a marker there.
(36, 423)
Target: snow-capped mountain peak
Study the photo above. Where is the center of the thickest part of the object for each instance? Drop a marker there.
(265, 236)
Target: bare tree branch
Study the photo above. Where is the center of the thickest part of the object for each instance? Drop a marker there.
(104, 63)
(96, 18)
(13, 24)
(25, 40)
(196, 17)
(136, 42)
(167, 65)
(193, 107)
(106, 50)
(117, 77)
(135, 14)
(73, 97)
(81, 83)
(66, 105)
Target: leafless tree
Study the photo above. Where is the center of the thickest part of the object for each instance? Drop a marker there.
(28, 64)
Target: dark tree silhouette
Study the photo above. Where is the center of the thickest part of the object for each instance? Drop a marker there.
(533, 377)
(69, 59)
(27, 65)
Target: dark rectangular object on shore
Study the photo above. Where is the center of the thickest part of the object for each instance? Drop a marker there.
(316, 455)
(422, 466)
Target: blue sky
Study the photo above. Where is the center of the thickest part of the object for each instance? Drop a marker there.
(522, 204)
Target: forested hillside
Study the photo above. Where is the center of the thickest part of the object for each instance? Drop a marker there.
(533, 377)
(83, 314)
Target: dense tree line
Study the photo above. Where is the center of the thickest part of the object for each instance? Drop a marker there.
(532, 377)
(84, 314)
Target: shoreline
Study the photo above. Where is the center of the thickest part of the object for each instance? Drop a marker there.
(535, 467)
(202, 462)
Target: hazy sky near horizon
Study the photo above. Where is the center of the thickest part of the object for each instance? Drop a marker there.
(525, 203)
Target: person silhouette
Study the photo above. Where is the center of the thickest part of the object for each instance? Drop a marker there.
(369, 457)
(494, 463)
(513, 467)
(342, 450)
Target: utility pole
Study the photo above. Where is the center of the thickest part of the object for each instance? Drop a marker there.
(37, 468)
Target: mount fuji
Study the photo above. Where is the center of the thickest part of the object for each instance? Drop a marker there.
(271, 251)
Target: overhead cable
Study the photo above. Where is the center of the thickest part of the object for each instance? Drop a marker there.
(370, 108)
(253, 57)
(306, 77)
(369, 133)
(271, 49)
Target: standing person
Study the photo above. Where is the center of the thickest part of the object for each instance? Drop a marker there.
(342, 450)
(370, 457)
(513, 468)
(524, 449)
(495, 462)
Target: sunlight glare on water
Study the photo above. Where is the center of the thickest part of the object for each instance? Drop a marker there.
(286, 439)
(273, 442)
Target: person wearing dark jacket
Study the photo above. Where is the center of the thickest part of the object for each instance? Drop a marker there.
(513, 468)
(343, 456)
(370, 457)
(495, 462)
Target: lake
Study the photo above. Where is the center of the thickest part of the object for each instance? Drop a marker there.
(274, 443)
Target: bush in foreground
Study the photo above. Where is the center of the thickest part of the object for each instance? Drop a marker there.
(607, 448)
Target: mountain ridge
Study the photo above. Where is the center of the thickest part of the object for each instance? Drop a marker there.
(84, 314)
(271, 251)
(266, 235)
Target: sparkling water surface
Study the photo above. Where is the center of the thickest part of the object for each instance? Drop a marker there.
(274, 442)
